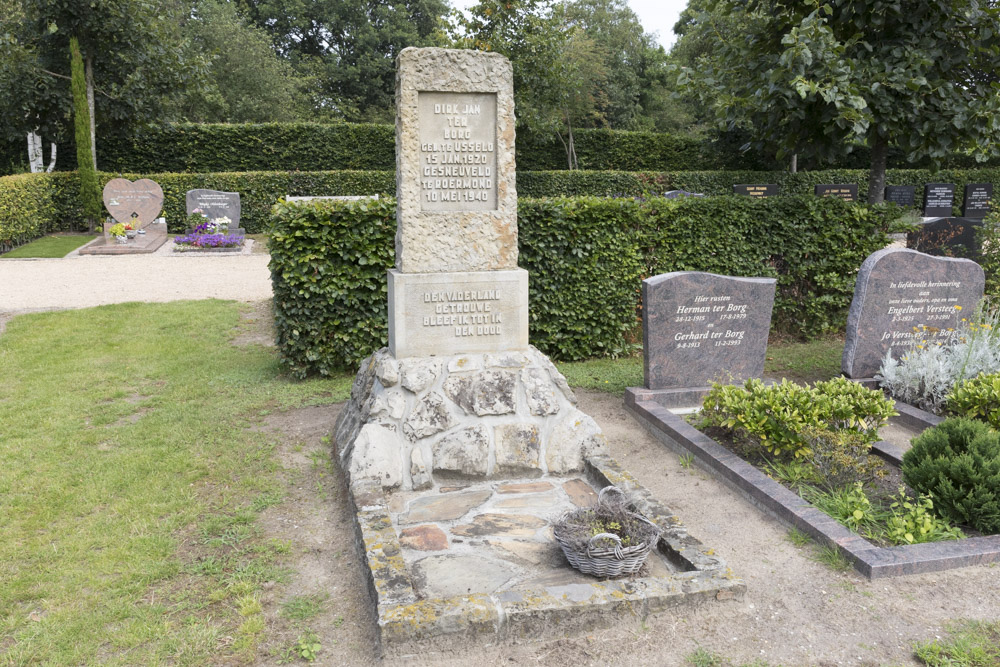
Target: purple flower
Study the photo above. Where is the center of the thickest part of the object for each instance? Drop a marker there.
(198, 240)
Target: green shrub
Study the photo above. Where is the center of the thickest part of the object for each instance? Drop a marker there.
(813, 247)
(27, 209)
(957, 463)
(783, 418)
(328, 265)
(977, 398)
(586, 257)
(913, 521)
(850, 507)
(328, 269)
(585, 271)
(842, 457)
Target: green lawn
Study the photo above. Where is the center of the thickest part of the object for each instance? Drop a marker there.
(130, 484)
(968, 643)
(56, 245)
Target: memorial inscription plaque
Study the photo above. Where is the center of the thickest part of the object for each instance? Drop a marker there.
(845, 191)
(938, 199)
(215, 204)
(948, 237)
(897, 294)
(458, 157)
(437, 313)
(901, 195)
(456, 287)
(747, 190)
(977, 200)
(699, 328)
(127, 201)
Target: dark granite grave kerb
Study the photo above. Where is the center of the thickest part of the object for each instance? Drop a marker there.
(760, 490)
(404, 622)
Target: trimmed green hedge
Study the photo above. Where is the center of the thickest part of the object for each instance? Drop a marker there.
(586, 257)
(328, 268)
(260, 190)
(192, 147)
(189, 147)
(27, 209)
(258, 193)
(622, 183)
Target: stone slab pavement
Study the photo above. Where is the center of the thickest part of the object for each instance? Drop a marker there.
(83, 281)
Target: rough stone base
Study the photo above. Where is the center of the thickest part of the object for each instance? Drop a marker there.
(415, 422)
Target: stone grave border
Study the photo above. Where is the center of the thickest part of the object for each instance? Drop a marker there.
(404, 622)
(771, 497)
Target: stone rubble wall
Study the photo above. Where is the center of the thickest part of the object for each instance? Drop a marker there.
(415, 420)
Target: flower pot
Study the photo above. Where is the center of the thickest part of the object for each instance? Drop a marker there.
(121, 240)
(130, 233)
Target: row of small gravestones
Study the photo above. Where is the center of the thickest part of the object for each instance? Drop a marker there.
(141, 201)
(700, 328)
(938, 197)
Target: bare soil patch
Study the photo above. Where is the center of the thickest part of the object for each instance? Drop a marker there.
(796, 610)
(256, 325)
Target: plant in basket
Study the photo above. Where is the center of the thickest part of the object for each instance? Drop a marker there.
(609, 539)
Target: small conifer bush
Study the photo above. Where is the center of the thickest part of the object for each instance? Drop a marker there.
(957, 463)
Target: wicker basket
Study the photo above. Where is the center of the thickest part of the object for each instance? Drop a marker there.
(606, 561)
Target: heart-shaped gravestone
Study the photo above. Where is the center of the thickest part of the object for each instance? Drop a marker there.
(126, 201)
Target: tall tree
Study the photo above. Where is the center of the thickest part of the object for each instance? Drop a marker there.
(819, 77)
(90, 200)
(527, 33)
(134, 59)
(349, 47)
(247, 81)
(635, 64)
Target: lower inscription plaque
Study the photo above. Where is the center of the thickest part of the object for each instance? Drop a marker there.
(454, 313)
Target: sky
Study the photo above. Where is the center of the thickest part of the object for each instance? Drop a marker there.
(659, 16)
(656, 16)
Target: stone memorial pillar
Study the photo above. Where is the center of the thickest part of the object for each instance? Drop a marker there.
(458, 392)
(456, 286)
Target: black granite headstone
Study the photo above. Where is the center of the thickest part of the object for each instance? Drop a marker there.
(947, 237)
(700, 327)
(845, 191)
(938, 199)
(977, 200)
(215, 204)
(901, 195)
(897, 291)
(746, 190)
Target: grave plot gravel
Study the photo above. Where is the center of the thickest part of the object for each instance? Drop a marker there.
(76, 281)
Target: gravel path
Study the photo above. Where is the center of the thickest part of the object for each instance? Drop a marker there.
(82, 281)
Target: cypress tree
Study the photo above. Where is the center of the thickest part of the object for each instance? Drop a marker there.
(90, 196)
